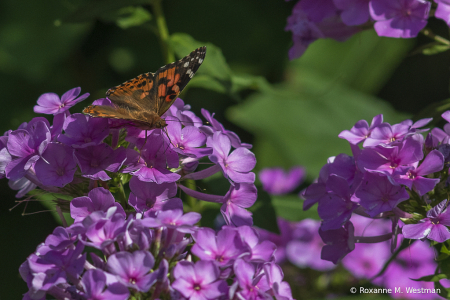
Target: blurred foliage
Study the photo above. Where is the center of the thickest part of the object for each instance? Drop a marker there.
(291, 112)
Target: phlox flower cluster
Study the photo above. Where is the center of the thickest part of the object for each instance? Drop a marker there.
(300, 244)
(130, 236)
(340, 19)
(396, 174)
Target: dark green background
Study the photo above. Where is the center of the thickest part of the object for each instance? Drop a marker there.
(294, 121)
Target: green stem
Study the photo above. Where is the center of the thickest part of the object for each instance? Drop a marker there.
(192, 202)
(437, 38)
(164, 36)
(122, 196)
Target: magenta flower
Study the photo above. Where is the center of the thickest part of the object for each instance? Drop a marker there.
(238, 198)
(81, 131)
(377, 194)
(235, 166)
(25, 147)
(157, 156)
(50, 103)
(276, 181)
(96, 288)
(252, 286)
(338, 242)
(199, 281)
(57, 167)
(98, 199)
(132, 269)
(361, 130)
(399, 18)
(354, 12)
(186, 141)
(173, 219)
(260, 251)
(386, 159)
(223, 249)
(415, 177)
(434, 226)
(151, 196)
(443, 10)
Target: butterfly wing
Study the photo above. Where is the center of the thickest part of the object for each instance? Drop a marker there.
(171, 79)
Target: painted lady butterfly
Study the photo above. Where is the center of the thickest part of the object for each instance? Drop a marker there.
(144, 99)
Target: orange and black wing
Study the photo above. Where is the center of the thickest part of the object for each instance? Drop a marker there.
(134, 94)
(171, 79)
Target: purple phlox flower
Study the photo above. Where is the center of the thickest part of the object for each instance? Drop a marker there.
(304, 32)
(26, 147)
(252, 284)
(399, 18)
(94, 160)
(157, 156)
(280, 240)
(98, 199)
(443, 10)
(317, 10)
(338, 242)
(199, 281)
(361, 130)
(386, 159)
(414, 262)
(187, 141)
(5, 157)
(53, 267)
(146, 196)
(217, 126)
(415, 176)
(81, 131)
(236, 166)
(303, 249)
(336, 207)
(431, 142)
(174, 219)
(50, 103)
(280, 289)
(60, 239)
(223, 248)
(259, 251)
(443, 135)
(237, 199)
(132, 269)
(276, 181)
(58, 124)
(103, 229)
(136, 234)
(182, 112)
(387, 134)
(354, 12)
(342, 165)
(377, 194)
(367, 259)
(57, 167)
(433, 227)
(94, 282)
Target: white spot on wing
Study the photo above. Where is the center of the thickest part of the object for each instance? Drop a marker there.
(200, 60)
(186, 64)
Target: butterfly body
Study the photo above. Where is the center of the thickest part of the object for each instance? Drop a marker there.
(144, 99)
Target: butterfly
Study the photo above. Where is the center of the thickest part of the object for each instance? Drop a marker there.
(144, 99)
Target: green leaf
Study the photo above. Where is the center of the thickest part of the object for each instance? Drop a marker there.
(432, 278)
(364, 62)
(290, 207)
(442, 291)
(264, 213)
(95, 9)
(302, 119)
(132, 16)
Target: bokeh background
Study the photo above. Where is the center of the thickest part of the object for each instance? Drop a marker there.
(291, 111)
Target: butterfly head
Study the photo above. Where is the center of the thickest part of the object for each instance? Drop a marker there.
(161, 123)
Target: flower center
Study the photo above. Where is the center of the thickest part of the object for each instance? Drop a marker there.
(219, 258)
(60, 171)
(132, 280)
(197, 287)
(392, 139)
(94, 163)
(87, 140)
